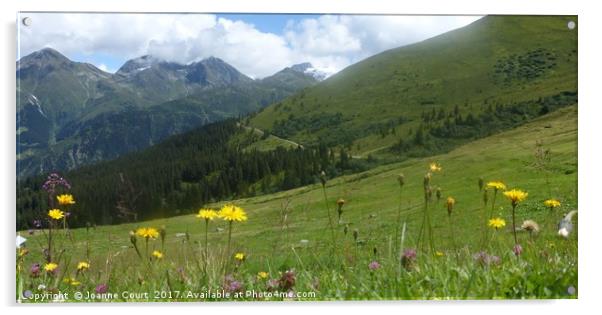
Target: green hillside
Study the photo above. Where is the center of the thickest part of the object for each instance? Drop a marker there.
(277, 224)
(497, 61)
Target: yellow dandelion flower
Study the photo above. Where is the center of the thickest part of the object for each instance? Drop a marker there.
(65, 199)
(207, 214)
(239, 256)
(552, 203)
(496, 185)
(56, 214)
(435, 167)
(23, 251)
(147, 233)
(439, 254)
(157, 254)
(497, 223)
(232, 213)
(516, 196)
(50, 267)
(262, 275)
(83, 265)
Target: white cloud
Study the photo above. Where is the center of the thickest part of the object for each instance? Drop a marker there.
(330, 42)
(103, 67)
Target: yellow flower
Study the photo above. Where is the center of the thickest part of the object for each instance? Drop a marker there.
(72, 281)
(232, 213)
(497, 223)
(516, 196)
(262, 275)
(435, 167)
(496, 185)
(439, 254)
(239, 256)
(157, 254)
(207, 214)
(65, 199)
(552, 203)
(50, 267)
(147, 233)
(23, 251)
(82, 265)
(56, 214)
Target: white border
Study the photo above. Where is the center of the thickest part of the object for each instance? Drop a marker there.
(589, 128)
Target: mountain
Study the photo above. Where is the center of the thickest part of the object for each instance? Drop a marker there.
(308, 69)
(71, 114)
(412, 99)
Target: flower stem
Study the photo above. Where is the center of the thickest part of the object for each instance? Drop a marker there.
(514, 223)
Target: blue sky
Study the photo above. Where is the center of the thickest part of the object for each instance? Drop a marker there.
(256, 44)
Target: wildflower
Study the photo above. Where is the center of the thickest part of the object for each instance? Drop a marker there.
(101, 288)
(72, 281)
(56, 214)
(340, 204)
(485, 259)
(262, 275)
(401, 179)
(530, 226)
(408, 258)
(374, 265)
(37, 224)
(435, 167)
(323, 178)
(65, 199)
(497, 223)
(232, 213)
(23, 251)
(427, 180)
(439, 254)
(53, 180)
(239, 256)
(147, 233)
(83, 265)
(50, 267)
(34, 270)
(207, 214)
(232, 285)
(552, 203)
(517, 249)
(516, 196)
(157, 254)
(496, 186)
(450, 202)
(287, 280)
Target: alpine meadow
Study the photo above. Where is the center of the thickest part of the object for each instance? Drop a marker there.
(440, 169)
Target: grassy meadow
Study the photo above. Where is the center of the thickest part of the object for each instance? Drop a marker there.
(357, 237)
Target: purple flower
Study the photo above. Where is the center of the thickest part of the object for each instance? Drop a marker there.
(35, 270)
(232, 285)
(374, 265)
(408, 258)
(517, 249)
(287, 280)
(101, 288)
(53, 180)
(273, 284)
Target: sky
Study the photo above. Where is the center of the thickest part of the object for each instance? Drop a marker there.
(258, 45)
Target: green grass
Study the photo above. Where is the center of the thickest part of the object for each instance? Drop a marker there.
(546, 269)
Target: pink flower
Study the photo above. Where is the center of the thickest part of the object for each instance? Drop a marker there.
(374, 265)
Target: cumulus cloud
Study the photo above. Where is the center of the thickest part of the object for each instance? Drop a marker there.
(330, 42)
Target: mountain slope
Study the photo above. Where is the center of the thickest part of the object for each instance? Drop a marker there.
(371, 105)
(72, 114)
